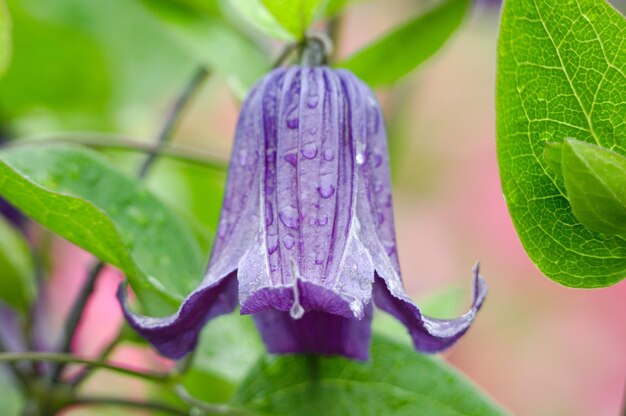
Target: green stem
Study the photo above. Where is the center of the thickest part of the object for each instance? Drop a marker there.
(189, 154)
(104, 355)
(172, 120)
(209, 408)
(14, 357)
(137, 404)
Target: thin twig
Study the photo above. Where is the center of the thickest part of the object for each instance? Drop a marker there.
(185, 153)
(75, 315)
(173, 118)
(137, 404)
(14, 357)
(104, 355)
(163, 137)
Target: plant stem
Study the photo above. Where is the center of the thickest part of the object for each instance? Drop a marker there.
(137, 404)
(210, 408)
(285, 53)
(75, 315)
(190, 154)
(13, 357)
(163, 137)
(104, 355)
(173, 118)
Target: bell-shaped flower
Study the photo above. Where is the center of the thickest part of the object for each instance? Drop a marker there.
(306, 239)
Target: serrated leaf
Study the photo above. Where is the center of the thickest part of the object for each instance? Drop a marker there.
(17, 271)
(210, 40)
(294, 15)
(397, 381)
(595, 180)
(560, 74)
(258, 16)
(80, 196)
(5, 37)
(404, 48)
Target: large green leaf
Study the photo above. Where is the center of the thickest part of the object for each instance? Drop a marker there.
(397, 381)
(404, 48)
(561, 73)
(212, 41)
(80, 196)
(17, 271)
(595, 180)
(5, 37)
(293, 15)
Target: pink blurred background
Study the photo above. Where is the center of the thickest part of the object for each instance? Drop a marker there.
(536, 347)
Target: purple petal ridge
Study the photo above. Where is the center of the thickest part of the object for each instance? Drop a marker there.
(306, 236)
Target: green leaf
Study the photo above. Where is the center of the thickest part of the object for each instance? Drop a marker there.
(403, 49)
(595, 180)
(17, 279)
(397, 381)
(5, 37)
(80, 196)
(293, 15)
(257, 15)
(561, 73)
(210, 39)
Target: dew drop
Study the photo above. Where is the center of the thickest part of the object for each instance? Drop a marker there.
(242, 158)
(326, 188)
(378, 186)
(272, 244)
(312, 221)
(377, 160)
(360, 158)
(313, 131)
(292, 158)
(289, 241)
(289, 217)
(328, 155)
(319, 258)
(309, 150)
(322, 219)
(296, 311)
(293, 118)
(380, 217)
(269, 214)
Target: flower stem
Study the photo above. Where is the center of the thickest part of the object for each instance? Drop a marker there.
(14, 357)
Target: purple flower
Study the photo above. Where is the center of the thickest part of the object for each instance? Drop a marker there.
(306, 238)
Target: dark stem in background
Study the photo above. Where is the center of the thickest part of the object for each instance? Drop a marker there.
(285, 54)
(165, 134)
(173, 118)
(333, 29)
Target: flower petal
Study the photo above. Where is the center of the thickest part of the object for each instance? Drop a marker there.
(316, 332)
(176, 335)
(429, 335)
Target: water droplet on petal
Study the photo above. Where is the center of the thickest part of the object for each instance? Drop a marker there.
(289, 217)
(269, 214)
(378, 186)
(289, 241)
(322, 219)
(292, 158)
(312, 131)
(380, 218)
(326, 188)
(272, 243)
(293, 118)
(296, 311)
(309, 150)
(328, 155)
(242, 158)
(377, 160)
(360, 158)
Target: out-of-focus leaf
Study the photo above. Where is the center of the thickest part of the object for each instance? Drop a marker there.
(37, 85)
(595, 181)
(404, 48)
(212, 41)
(17, 272)
(256, 14)
(80, 196)
(229, 348)
(98, 75)
(11, 400)
(334, 7)
(561, 67)
(5, 37)
(396, 381)
(293, 15)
